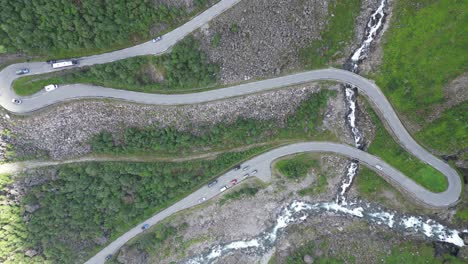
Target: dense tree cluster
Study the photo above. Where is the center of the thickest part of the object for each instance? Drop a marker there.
(50, 27)
(304, 123)
(185, 67)
(89, 201)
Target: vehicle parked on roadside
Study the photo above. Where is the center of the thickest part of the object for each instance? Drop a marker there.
(254, 172)
(236, 168)
(234, 182)
(246, 168)
(223, 189)
(51, 61)
(145, 226)
(245, 176)
(108, 257)
(379, 167)
(50, 87)
(16, 101)
(213, 183)
(201, 200)
(156, 39)
(22, 71)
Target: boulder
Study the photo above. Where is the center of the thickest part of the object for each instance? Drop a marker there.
(100, 240)
(308, 259)
(30, 253)
(132, 255)
(31, 208)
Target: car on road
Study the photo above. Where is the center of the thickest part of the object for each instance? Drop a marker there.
(16, 101)
(254, 172)
(236, 168)
(108, 257)
(245, 176)
(213, 183)
(246, 168)
(222, 189)
(156, 39)
(145, 226)
(50, 87)
(234, 182)
(201, 200)
(22, 71)
(51, 61)
(379, 167)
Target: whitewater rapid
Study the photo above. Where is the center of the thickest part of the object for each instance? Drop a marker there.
(299, 211)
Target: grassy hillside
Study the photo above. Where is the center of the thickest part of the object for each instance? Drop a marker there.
(336, 35)
(424, 49)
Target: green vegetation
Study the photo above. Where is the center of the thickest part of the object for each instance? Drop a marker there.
(153, 239)
(186, 67)
(424, 49)
(244, 191)
(301, 126)
(92, 200)
(234, 28)
(449, 133)
(334, 38)
(462, 215)
(320, 186)
(371, 186)
(76, 28)
(392, 153)
(297, 166)
(410, 252)
(13, 230)
(416, 253)
(216, 40)
(297, 256)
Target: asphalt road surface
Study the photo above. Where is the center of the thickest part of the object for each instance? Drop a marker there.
(261, 163)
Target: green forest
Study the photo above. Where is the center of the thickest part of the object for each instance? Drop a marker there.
(185, 67)
(92, 200)
(75, 28)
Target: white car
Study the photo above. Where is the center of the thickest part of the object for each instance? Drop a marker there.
(16, 101)
(379, 167)
(50, 87)
(201, 200)
(223, 189)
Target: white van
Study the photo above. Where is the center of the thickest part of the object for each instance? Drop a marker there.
(50, 87)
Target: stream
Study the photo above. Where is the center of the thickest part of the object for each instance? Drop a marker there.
(298, 211)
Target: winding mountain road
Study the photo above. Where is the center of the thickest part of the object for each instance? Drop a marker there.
(260, 163)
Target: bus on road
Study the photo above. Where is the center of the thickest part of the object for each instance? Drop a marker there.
(62, 64)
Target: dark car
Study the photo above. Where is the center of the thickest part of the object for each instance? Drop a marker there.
(213, 183)
(108, 257)
(237, 167)
(145, 226)
(156, 39)
(51, 61)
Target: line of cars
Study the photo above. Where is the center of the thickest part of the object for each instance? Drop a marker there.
(233, 181)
